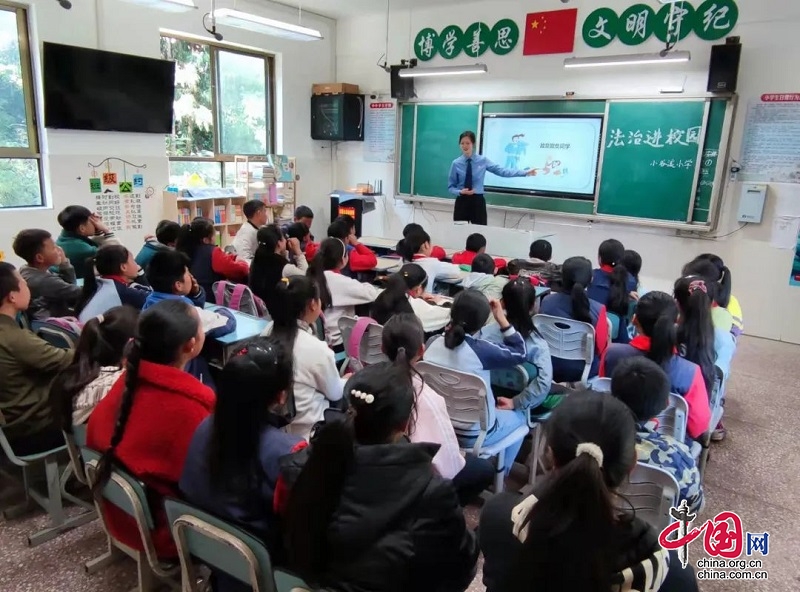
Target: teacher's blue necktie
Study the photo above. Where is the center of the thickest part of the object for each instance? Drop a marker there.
(468, 176)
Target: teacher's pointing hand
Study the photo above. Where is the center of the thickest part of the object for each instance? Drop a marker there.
(531, 173)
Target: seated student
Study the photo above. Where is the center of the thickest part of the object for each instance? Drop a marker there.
(482, 278)
(165, 239)
(28, 364)
(465, 348)
(476, 245)
(360, 258)
(519, 299)
(82, 234)
(305, 216)
(338, 293)
(632, 261)
(403, 341)
(541, 251)
(98, 363)
(169, 277)
(545, 541)
(367, 511)
(644, 387)
(246, 240)
(147, 421)
(573, 303)
(723, 296)
(209, 263)
(316, 382)
(231, 468)
(404, 293)
(416, 248)
(299, 232)
(114, 284)
(656, 319)
(437, 252)
(718, 287)
(270, 263)
(52, 294)
(612, 285)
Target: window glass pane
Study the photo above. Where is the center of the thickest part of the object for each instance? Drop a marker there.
(19, 182)
(193, 129)
(208, 174)
(13, 120)
(242, 103)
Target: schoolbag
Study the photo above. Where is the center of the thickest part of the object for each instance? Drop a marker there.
(544, 274)
(239, 297)
(61, 332)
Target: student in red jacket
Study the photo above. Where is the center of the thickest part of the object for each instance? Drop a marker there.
(147, 420)
(476, 244)
(209, 263)
(360, 257)
(437, 252)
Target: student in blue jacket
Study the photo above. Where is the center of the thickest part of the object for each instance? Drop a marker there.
(168, 274)
(465, 348)
(612, 285)
(165, 239)
(115, 283)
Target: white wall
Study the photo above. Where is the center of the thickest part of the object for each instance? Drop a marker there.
(127, 28)
(768, 29)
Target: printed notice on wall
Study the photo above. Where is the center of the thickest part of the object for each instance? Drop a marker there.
(771, 149)
(379, 130)
(118, 189)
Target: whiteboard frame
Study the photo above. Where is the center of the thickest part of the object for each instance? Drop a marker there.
(716, 194)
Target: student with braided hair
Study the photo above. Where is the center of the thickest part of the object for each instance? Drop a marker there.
(147, 420)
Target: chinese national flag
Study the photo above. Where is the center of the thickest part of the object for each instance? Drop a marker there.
(550, 32)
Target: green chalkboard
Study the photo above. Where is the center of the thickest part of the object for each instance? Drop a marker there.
(634, 182)
(650, 159)
(438, 128)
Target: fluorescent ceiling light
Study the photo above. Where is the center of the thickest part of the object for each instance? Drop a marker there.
(166, 5)
(443, 71)
(628, 60)
(267, 26)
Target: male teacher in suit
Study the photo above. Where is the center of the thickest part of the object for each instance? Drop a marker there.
(466, 181)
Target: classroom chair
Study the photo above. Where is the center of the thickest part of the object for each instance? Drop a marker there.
(128, 494)
(362, 342)
(651, 491)
(52, 502)
(673, 420)
(568, 340)
(466, 398)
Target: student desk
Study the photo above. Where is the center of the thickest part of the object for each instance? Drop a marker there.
(388, 264)
(247, 328)
(376, 242)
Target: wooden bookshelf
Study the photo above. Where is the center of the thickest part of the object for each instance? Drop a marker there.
(225, 212)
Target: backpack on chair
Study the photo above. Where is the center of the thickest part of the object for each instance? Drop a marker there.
(61, 332)
(239, 297)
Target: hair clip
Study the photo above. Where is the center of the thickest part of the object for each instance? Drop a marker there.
(285, 280)
(366, 397)
(100, 318)
(592, 450)
(698, 285)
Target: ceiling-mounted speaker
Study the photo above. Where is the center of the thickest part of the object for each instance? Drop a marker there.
(402, 88)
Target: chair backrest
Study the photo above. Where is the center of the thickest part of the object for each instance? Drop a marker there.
(74, 442)
(614, 322)
(362, 340)
(568, 340)
(464, 394)
(652, 491)
(239, 297)
(673, 420)
(219, 545)
(717, 395)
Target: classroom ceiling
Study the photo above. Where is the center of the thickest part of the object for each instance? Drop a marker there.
(348, 8)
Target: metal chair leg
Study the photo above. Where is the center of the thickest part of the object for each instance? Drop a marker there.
(500, 473)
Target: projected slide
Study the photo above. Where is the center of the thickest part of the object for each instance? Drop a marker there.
(563, 150)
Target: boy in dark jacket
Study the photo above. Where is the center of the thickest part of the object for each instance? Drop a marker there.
(83, 233)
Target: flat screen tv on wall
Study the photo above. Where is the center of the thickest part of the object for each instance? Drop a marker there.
(88, 89)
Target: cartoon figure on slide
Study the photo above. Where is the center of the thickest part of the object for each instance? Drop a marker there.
(515, 150)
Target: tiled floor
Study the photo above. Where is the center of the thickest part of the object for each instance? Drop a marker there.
(754, 472)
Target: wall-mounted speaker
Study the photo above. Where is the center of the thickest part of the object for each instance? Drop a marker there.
(402, 88)
(723, 71)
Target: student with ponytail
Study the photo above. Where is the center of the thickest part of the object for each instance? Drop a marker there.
(697, 337)
(118, 282)
(725, 298)
(367, 511)
(612, 285)
(232, 467)
(570, 534)
(656, 321)
(416, 247)
(207, 262)
(465, 347)
(146, 422)
(97, 364)
(404, 294)
(572, 302)
(317, 384)
(271, 263)
(339, 294)
(404, 343)
(718, 280)
(436, 251)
